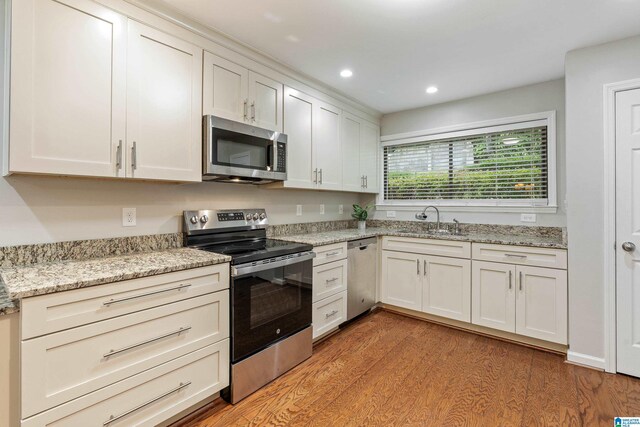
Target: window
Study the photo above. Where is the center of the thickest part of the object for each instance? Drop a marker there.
(504, 165)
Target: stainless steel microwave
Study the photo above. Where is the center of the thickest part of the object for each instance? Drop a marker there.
(237, 152)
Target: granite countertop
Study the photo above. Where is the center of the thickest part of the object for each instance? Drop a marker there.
(7, 305)
(45, 278)
(337, 236)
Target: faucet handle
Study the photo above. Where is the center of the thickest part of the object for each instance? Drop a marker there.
(421, 215)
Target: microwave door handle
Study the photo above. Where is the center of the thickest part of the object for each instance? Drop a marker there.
(274, 153)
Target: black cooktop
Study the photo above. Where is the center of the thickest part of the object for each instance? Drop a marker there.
(243, 251)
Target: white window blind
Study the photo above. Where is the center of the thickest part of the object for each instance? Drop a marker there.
(501, 167)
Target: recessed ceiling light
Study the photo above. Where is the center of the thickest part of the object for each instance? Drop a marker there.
(510, 141)
(346, 73)
(432, 89)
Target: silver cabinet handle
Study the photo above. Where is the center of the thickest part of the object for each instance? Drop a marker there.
(134, 155)
(140, 344)
(418, 267)
(366, 181)
(332, 280)
(119, 155)
(515, 256)
(253, 111)
(362, 181)
(114, 418)
(424, 267)
(245, 109)
(119, 300)
(320, 175)
(333, 253)
(315, 176)
(520, 280)
(510, 279)
(333, 313)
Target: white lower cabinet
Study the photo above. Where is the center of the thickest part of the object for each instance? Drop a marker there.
(401, 280)
(529, 301)
(329, 313)
(149, 398)
(446, 287)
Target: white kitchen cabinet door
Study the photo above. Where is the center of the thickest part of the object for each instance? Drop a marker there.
(326, 146)
(68, 72)
(369, 149)
(265, 96)
(164, 106)
(541, 303)
(352, 177)
(402, 280)
(446, 288)
(225, 89)
(493, 302)
(298, 125)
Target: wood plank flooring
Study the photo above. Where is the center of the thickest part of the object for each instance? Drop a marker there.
(391, 370)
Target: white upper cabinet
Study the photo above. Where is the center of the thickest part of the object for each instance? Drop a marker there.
(298, 125)
(327, 146)
(164, 98)
(360, 145)
(68, 72)
(233, 92)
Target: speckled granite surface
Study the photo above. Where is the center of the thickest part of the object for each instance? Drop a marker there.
(39, 279)
(311, 227)
(7, 305)
(11, 256)
(545, 240)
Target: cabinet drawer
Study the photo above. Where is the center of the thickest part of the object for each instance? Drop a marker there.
(149, 398)
(328, 253)
(64, 310)
(329, 313)
(523, 255)
(450, 248)
(60, 367)
(329, 279)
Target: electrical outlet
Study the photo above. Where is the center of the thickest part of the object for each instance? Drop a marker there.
(391, 214)
(128, 217)
(528, 218)
(340, 209)
(298, 210)
(321, 209)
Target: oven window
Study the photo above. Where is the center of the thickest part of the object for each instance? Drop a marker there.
(270, 305)
(233, 149)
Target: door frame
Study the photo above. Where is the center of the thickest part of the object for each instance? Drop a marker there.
(610, 274)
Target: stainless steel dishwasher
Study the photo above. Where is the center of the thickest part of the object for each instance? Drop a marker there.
(362, 258)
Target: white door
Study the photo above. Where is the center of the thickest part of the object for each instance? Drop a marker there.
(68, 72)
(628, 231)
(352, 178)
(164, 106)
(226, 89)
(541, 303)
(266, 102)
(493, 295)
(298, 125)
(326, 146)
(369, 148)
(446, 289)
(402, 280)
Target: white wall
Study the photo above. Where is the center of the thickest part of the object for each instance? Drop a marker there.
(513, 102)
(587, 70)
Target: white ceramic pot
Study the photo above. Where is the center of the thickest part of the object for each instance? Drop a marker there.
(362, 225)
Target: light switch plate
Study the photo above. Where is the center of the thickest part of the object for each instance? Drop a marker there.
(298, 210)
(128, 217)
(528, 218)
(321, 209)
(391, 214)
(340, 209)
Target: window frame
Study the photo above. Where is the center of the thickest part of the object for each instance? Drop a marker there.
(546, 118)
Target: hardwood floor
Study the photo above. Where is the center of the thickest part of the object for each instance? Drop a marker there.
(390, 370)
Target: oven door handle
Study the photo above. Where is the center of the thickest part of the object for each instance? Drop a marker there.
(242, 269)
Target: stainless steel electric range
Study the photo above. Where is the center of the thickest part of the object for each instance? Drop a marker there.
(270, 294)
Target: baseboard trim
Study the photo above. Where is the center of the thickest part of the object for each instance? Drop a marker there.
(586, 360)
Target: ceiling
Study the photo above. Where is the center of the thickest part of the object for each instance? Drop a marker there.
(396, 48)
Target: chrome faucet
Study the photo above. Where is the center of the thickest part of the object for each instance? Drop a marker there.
(423, 215)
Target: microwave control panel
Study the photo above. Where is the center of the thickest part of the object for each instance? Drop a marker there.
(282, 157)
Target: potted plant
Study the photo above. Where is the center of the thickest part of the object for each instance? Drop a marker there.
(361, 213)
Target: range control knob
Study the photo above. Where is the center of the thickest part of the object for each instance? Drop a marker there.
(263, 215)
(256, 216)
(204, 219)
(194, 219)
(249, 217)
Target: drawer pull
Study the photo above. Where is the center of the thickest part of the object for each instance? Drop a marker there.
(152, 340)
(120, 300)
(333, 313)
(515, 256)
(114, 418)
(333, 253)
(332, 280)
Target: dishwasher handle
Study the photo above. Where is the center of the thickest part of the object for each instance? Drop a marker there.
(362, 244)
